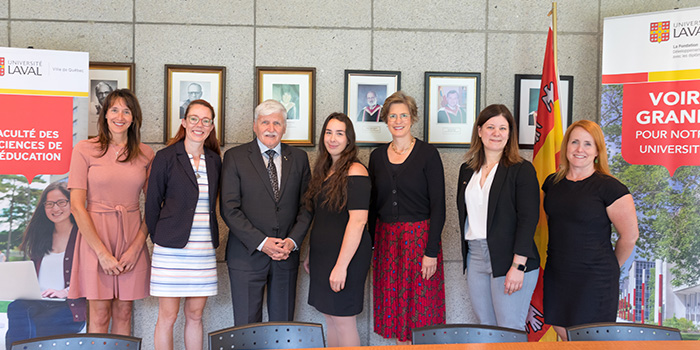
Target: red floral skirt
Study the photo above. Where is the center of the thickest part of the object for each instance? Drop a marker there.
(403, 300)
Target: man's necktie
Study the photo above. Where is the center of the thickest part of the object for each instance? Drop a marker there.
(272, 172)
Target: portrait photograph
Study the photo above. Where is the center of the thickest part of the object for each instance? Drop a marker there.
(193, 90)
(527, 97)
(370, 99)
(365, 92)
(288, 96)
(184, 84)
(106, 77)
(295, 89)
(452, 103)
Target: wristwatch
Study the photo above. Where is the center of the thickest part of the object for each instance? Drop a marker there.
(520, 267)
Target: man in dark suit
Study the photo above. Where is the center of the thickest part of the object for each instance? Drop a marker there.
(262, 186)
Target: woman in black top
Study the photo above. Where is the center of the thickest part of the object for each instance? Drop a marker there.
(582, 199)
(407, 213)
(340, 248)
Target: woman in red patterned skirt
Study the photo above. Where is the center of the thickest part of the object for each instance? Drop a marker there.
(408, 208)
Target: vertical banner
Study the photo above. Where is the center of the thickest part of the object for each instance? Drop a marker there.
(650, 114)
(43, 104)
(37, 88)
(548, 137)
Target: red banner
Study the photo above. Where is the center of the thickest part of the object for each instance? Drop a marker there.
(36, 136)
(660, 124)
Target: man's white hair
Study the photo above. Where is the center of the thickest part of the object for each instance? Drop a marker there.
(268, 107)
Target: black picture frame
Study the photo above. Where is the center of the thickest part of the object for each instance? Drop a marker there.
(442, 127)
(369, 130)
(526, 97)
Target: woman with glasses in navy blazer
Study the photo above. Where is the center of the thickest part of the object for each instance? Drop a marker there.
(181, 219)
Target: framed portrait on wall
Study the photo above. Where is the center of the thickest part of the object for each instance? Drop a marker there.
(184, 84)
(106, 77)
(295, 89)
(451, 107)
(365, 92)
(527, 95)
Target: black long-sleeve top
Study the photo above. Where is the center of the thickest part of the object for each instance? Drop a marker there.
(409, 192)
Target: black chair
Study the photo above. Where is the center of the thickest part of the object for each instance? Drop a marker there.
(467, 333)
(85, 341)
(621, 331)
(269, 335)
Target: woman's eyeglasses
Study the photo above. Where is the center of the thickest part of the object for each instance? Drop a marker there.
(193, 120)
(61, 203)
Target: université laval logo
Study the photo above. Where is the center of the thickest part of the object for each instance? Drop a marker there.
(2, 66)
(659, 31)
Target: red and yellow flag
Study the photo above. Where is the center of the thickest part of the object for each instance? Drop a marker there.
(548, 137)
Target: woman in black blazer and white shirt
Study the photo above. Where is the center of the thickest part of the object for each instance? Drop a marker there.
(181, 218)
(498, 202)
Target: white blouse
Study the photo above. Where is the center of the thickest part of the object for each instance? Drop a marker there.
(477, 200)
(51, 272)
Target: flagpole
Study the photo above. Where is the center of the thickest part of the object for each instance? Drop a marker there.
(554, 29)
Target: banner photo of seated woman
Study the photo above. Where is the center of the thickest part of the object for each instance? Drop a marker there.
(37, 226)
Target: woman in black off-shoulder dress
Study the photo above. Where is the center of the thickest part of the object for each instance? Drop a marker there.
(340, 246)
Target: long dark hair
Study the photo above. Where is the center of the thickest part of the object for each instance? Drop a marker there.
(476, 156)
(337, 184)
(211, 142)
(38, 237)
(133, 141)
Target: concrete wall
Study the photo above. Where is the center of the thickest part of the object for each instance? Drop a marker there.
(498, 38)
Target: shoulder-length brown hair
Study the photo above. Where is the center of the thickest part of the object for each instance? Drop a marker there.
(38, 237)
(399, 97)
(476, 157)
(601, 162)
(211, 142)
(133, 141)
(337, 184)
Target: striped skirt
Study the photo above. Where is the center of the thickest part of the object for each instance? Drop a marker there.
(188, 271)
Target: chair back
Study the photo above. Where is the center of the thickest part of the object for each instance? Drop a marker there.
(269, 335)
(467, 333)
(83, 341)
(621, 331)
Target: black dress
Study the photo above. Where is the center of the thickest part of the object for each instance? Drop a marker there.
(325, 242)
(581, 277)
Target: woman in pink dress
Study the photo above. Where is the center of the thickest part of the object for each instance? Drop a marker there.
(107, 175)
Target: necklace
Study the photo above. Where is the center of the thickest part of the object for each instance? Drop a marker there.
(393, 147)
(489, 166)
(118, 152)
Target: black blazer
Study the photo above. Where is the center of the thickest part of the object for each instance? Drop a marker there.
(172, 196)
(513, 212)
(249, 209)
